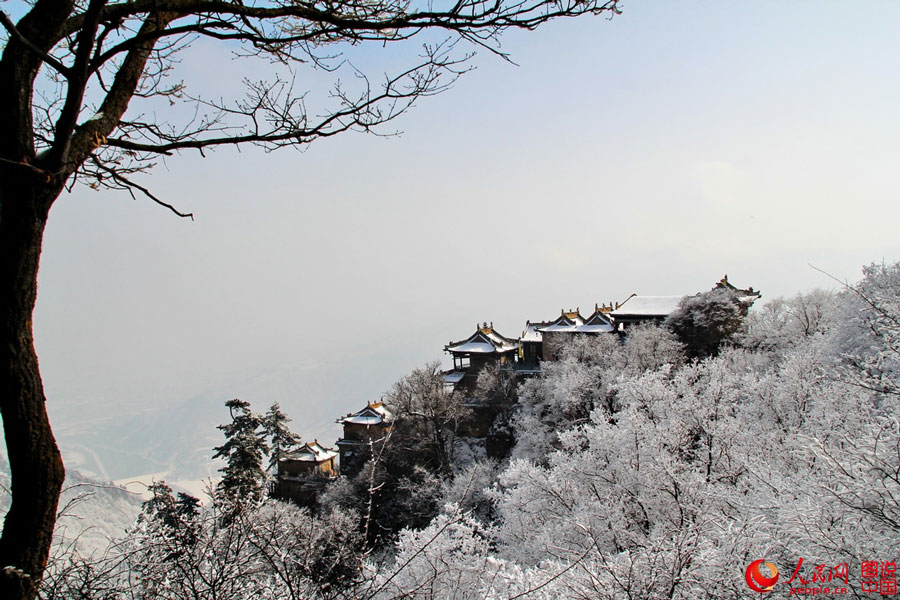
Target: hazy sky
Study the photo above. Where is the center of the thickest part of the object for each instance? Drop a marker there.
(652, 153)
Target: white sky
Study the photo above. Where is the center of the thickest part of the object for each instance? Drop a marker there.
(652, 153)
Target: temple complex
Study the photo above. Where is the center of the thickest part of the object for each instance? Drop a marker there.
(542, 341)
(302, 473)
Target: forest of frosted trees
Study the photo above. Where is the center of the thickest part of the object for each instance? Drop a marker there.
(657, 467)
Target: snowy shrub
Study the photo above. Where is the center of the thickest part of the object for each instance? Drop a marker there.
(703, 323)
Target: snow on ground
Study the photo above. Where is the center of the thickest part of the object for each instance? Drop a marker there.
(140, 484)
(92, 514)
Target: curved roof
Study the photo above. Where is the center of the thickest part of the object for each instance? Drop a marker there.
(474, 347)
(454, 376)
(372, 414)
(532, 331)
(364, 420)
(484, 341)
(647, 306)
(567, 322)
(312, 452)
(595, 328)
(596, 323)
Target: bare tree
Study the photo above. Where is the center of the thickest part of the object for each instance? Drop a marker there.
(429, 416)
(87, 93)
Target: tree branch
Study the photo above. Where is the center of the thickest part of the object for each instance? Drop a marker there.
(77, 86)
(44, 56)
(92, 134)
(131, 186)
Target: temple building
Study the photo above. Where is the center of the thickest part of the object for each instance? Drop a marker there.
(302, 473)
(598, 322)
(572, 323)
(362, 430)
(654, 309)
(482, 348)
(643, 309)
(557, 332)
(531, 348)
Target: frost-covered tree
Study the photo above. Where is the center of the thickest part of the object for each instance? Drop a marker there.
(869, 340)
(585, 379)
(271, 551)
(496, 385)
(565, 394)
(648, 347)
(450, 558)
(245, 447)
(783, 323)
(787, 448)
(703, 323)
(494, 397)
(167, 508)
(281, 439)
(427, 419)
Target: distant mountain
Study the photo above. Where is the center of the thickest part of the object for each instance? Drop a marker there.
(91, 513)
(150, 437)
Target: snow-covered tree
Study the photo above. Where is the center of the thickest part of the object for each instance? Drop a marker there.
(494, 397)
(245, 446)
(703, 323)
(450, 558)
(783, 323)
(267, 551)
(869, 340)
(692, 470)
(281, 439)
(584, 379)
(427, 418)
(170, 511)
(402, 484)
(273, 550)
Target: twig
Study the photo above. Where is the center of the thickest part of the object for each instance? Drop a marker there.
(118, 177)
(576, 562)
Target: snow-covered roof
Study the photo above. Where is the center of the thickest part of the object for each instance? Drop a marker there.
(532, 332)
(484, 341)
(381, 409)
(559, 327)
(567, 322)
(454, 376)
(647, 306)
(474, 347)
(596, 323)
(372, 414)
(312, 452)
(595, 328)
(364, 420)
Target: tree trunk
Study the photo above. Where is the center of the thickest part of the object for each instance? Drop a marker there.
(34, 459)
